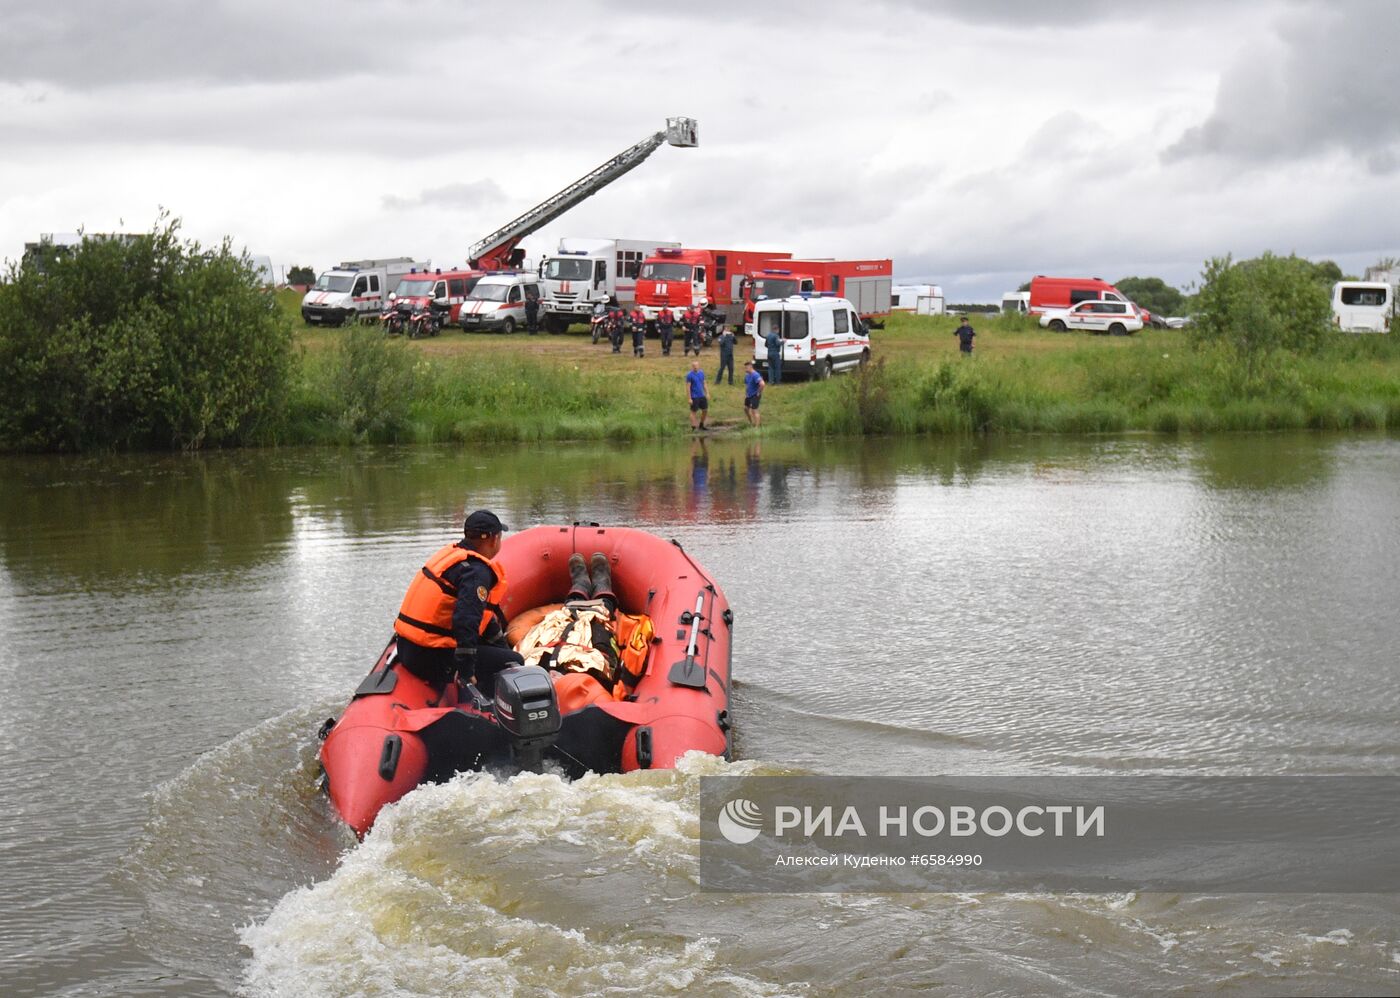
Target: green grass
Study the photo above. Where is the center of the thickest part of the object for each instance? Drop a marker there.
(356, 387)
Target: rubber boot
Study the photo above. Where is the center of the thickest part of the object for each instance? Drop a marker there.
(579, 585)
(602, 579)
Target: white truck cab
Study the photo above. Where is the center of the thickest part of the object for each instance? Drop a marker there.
(1362, 306)
(587, 271)
(820, 335)
(354, 290)
(498, 301)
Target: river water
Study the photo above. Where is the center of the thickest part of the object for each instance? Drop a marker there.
(176, 627)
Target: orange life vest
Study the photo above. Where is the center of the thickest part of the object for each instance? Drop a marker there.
(425, 617)
(634, 634)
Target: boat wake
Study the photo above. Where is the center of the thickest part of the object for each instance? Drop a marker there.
(530, 885)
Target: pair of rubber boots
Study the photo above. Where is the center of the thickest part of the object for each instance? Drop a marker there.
(596, 584)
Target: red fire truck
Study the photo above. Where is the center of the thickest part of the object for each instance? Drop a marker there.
(864, 283)
(679, 278)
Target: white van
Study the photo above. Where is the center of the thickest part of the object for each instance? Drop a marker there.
(498, 301)
(1362, 306)
(821, 335)
(1016, 303)
(357, 289)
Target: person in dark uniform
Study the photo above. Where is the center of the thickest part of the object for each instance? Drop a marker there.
(726, 354)
(774, 342)
(617, 319)
(965, 333)
(690, 322)
(637, 323)
(451, 622)
(532, 309)
(666, 326)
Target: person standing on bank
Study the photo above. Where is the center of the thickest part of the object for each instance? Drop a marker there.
(698, 394)
(753, 393)
(532, 309)
(451, 622)
(965, 333)
(774, 342)
(726, 354)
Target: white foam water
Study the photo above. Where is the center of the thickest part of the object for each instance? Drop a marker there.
(531, 885)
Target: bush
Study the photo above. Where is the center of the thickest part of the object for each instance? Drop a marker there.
(371, 385)
(1257, 307)
(151, 342)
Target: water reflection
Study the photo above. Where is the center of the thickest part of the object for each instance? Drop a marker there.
(122, 518)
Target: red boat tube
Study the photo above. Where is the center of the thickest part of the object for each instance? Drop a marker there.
(398, 731)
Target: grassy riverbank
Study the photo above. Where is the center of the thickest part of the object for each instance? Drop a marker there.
(1021, 379)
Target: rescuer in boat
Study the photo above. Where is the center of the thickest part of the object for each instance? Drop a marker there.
(594, 651)
(451, 622)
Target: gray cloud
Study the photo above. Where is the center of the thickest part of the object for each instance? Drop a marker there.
(467, 195)
(1325, 79)
(86, 45)
(959, 138)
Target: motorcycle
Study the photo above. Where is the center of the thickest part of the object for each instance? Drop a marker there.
(391, 319)
(426, 320)
(596, 324)
(709, 329)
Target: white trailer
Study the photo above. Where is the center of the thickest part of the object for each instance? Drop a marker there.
(921, 299)
(1362, 306)
(585, 271)
(356, 289)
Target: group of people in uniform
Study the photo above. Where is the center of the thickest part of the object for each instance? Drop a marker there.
(698, 325)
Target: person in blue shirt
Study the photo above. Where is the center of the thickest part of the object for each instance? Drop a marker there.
(965, 333)
(698, 394)
(774, 342)
(753, 393)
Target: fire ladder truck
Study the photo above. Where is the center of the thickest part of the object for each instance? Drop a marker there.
(498, 251)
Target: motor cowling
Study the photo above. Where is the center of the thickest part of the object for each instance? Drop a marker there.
(527, 710)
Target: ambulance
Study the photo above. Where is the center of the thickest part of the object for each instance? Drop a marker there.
(498, 301)
(866, 284)
(821, 333)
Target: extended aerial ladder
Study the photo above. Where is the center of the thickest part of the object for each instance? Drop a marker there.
(498, 250)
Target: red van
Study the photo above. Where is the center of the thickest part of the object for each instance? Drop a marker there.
(421, 288)
(1066, 292)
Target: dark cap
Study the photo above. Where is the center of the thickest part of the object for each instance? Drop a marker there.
(483, 521)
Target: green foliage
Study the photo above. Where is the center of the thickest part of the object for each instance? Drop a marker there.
(152, 342)
(1326, 271)
(1257, 307)
(1153, 294)
(301, 275)
(369, 385)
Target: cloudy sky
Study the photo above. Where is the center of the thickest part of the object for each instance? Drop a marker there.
(976, 142)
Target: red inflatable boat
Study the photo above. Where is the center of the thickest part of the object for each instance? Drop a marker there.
(398, 731)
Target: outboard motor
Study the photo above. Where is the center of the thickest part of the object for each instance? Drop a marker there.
(527, 710)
